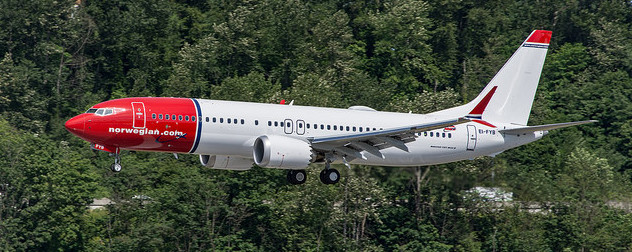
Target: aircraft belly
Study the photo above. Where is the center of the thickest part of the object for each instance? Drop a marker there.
(225, 144)
(430, 152)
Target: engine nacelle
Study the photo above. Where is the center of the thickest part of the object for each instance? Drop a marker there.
(226, 162)
(281, 152)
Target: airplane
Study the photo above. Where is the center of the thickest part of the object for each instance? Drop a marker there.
(234, 135)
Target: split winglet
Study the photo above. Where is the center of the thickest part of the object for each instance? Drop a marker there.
(476, 115)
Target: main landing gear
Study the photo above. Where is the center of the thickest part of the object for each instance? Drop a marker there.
(328, 176)
(296, 177)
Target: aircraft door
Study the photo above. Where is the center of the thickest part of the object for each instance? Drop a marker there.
(138, 110)
(300, 127)
(288, 126)
(471, 137)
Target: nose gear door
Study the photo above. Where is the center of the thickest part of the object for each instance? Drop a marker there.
(138, 110)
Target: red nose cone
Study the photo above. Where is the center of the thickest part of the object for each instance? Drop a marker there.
(75, 125)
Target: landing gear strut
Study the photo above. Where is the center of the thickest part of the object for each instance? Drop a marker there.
(296, 177)
(116, 167)
(329, 176)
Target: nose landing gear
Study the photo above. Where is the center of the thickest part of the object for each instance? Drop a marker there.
(117, 167)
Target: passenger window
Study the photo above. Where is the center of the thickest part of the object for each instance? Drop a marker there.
(221, 120)
(207, 119)
(193, 118)
(160, 116)
(449, 135)
(341, 128)
(367, 129)
(167, 117)
(307, 125)
(354, 128)
(360, 128)
(322, 126)
(153, 116)
(347, 128)
(173, 117)
(186, 118)
(443, 135)
(289, 125)
(282, 124)
(425, 133)
(228, 120)
(269, 123)
(431, 134)
(328, 127)
(300, 125)
(276, 124)
(437, 135)
(214, 119)
(335, 127)
(374, 129)
(242, 121)
(256, 122)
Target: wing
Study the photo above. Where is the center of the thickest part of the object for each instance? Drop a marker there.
(352, 145)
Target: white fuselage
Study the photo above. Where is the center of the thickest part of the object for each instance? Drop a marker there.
(461, 142)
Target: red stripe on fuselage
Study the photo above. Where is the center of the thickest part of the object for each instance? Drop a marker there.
(159, 134)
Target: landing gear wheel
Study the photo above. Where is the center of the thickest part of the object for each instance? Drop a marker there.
(296, 177)
(329, 176)
(116, 167)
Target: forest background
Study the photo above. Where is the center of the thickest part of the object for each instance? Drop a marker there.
(58, 58)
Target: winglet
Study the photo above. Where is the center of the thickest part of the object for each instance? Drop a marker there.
(477, 112)
(476, 115)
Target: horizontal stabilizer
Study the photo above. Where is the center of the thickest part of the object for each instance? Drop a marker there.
(531, 129)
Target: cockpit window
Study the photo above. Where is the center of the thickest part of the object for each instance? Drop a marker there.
(101, 111)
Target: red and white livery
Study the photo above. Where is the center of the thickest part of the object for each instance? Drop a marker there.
(237, 135)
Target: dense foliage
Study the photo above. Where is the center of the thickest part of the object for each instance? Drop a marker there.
(57, 58)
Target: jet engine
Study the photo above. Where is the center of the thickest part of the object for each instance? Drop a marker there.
(282, 152)
(226, 162)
